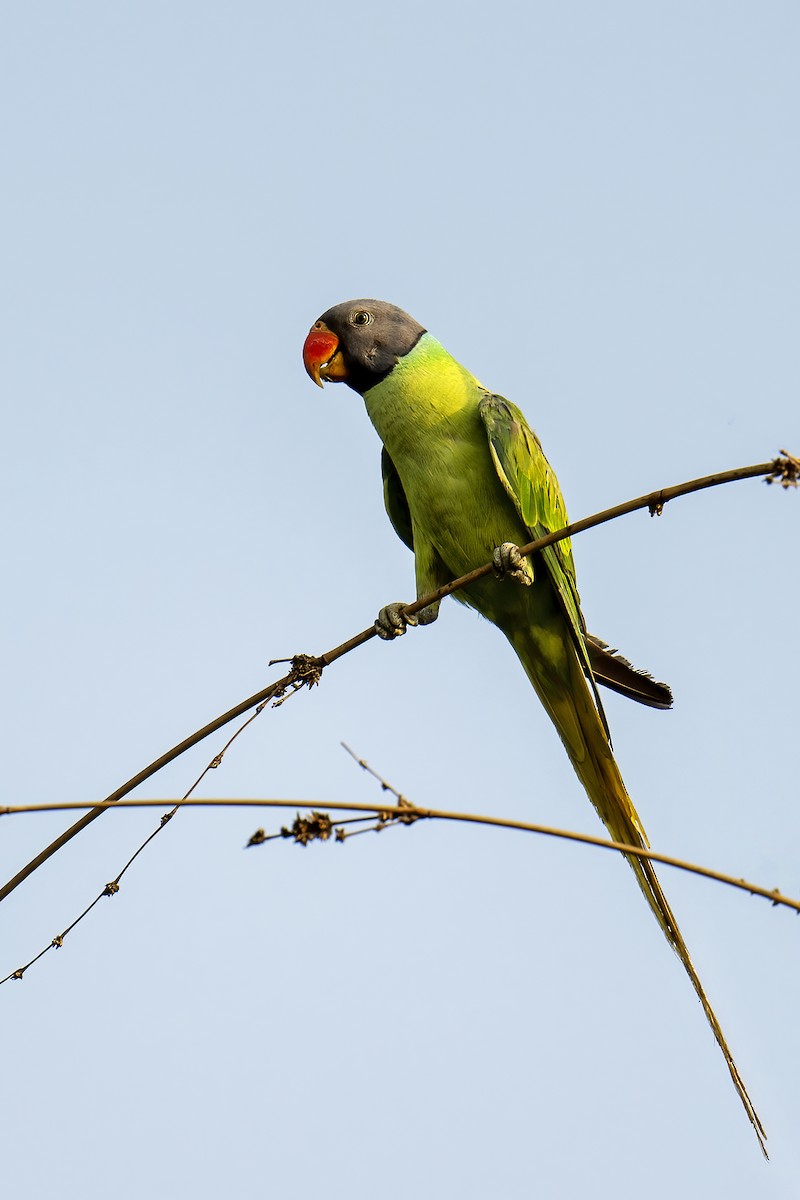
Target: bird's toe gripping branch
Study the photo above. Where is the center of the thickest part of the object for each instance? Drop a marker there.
(509, 563)
(392, 622)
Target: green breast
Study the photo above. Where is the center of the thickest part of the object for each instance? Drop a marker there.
(426, 414)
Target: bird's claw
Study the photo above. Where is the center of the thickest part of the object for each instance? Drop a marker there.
(392, 622)
(507, 562)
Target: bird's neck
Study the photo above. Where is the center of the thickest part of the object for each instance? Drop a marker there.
(427, 392)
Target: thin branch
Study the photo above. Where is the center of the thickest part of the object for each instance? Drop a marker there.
(303, 672)
(414, 812)
(306, 670)
(113, 887)
(785, 470)
(385, 786)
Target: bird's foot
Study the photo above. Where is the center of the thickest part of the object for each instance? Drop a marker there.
(508, 562)
(392, 622)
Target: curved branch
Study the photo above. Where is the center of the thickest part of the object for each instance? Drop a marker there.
(783, 469)
(407, 813)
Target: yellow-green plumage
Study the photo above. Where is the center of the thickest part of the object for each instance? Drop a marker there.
(463, 474)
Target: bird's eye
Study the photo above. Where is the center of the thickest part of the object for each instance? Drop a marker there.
(361, 317)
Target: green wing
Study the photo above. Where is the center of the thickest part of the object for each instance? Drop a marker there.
(533, 488)
(394, 498)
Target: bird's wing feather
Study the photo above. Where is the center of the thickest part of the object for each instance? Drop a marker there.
(531, 484)
(394, 499)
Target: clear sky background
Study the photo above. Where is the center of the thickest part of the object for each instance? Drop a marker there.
(595, 208)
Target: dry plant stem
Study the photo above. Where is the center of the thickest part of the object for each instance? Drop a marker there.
(654, 501)
(304, 671)
(112, 888)
(266, 694)
(385, 785)
(407, 809)
(783, 469)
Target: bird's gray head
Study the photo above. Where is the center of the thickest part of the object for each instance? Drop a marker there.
(359, 342)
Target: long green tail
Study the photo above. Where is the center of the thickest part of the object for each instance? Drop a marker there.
(567, 697)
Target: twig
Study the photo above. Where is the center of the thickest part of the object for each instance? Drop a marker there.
(319, 827)
(306, 670)
(406, 809)
(113, 887)
(386, 787)
(303, 672)
(785, 470)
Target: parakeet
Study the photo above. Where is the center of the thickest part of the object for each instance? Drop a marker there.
(466, 482)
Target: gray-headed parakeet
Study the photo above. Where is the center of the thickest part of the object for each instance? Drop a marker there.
(465, 482)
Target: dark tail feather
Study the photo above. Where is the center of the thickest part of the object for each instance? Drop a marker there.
(616, 673)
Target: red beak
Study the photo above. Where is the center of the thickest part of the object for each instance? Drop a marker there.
(322, 358)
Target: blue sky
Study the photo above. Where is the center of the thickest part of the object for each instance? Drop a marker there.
(595, 209)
